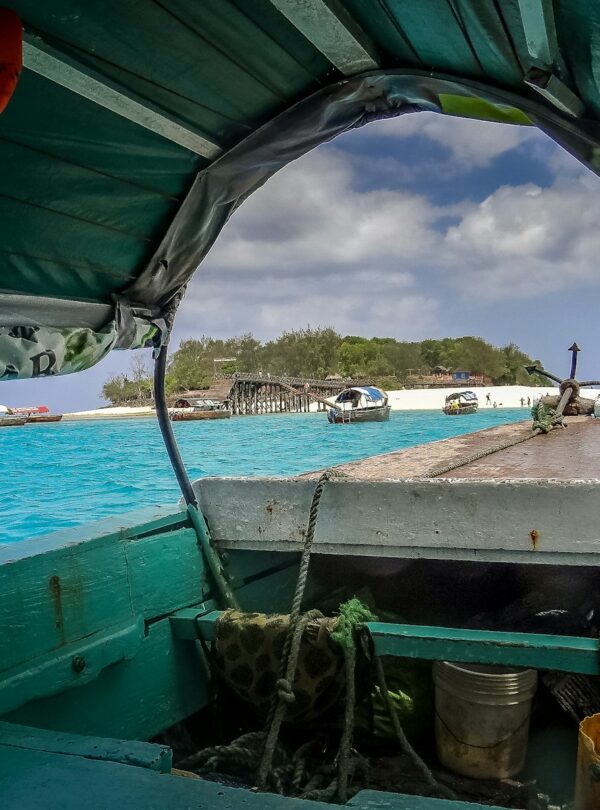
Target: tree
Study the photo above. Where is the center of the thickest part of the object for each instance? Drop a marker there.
(317, 353)
(141, 376)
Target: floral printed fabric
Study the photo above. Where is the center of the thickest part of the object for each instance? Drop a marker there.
(35, 351)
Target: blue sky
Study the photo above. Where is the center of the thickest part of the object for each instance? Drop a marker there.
(422, 226)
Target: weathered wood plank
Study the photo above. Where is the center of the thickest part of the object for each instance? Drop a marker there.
(434, 519)
(139, 522)
(162, 684)
(129, 752)
(55, 598)
(563, 653)
(72, 665)
(39, 780)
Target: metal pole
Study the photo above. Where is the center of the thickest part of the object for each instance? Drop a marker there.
(185, 485)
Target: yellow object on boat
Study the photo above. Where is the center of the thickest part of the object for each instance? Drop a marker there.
(587, 785)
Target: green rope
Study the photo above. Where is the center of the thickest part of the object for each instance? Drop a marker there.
(405, 746)
(352, 615)
(542, 417)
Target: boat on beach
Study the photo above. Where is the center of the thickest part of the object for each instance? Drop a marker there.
(461, 403)
(370, 635)
(359, 404)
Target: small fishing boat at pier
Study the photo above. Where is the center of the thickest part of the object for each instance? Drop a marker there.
(188, 409)
(359, 404)
(196, 414)
(461, 403)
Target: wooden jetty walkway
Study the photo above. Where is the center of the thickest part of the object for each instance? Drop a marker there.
(248, 394)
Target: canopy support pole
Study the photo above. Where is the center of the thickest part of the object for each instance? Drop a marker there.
(197, 520)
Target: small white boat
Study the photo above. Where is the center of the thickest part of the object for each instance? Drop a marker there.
(360, 404)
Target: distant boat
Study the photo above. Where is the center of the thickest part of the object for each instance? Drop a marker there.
(189, 409)
(9, 419)
(12, 421)
(360, 404)
(35, 414)
(461, 403)
(39, 418)
(29, 410)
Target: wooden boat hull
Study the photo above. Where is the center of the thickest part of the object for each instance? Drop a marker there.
(194, 416)
(13, 421)
(460, 411)
(37, 419)
(130, 657)
(359, 415)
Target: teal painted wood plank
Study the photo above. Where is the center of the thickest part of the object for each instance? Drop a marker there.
(129, 752)
(166, 572)
(242, 564)
(374, 800)
(564, 653)
(70, 666)
(131, 524)
(165, 682)
(271, 593)
(53, 599)
(185, 623)
(38, 780)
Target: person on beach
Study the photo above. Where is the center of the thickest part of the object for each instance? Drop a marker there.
(528, 402)
(488, 399)
(522, 402)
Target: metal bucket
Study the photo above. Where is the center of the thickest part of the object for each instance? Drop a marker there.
(482, 718)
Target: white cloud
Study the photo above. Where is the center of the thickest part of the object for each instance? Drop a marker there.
(310, 215)
(526, 240)
(470, 142)
(310, 247)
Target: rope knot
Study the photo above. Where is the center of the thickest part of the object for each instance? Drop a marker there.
(285, 691)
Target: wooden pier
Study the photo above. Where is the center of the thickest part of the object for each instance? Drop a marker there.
(255, 394)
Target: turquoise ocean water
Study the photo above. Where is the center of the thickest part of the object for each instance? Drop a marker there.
(60, 475)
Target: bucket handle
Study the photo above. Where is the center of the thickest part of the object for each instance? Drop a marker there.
(483, 747)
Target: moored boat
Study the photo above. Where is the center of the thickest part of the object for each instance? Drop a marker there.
(461, 403)
(12, 421)
(42, 418)
(195, 414)
(359, 404)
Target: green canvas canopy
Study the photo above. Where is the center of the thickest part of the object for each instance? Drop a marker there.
(138, 126)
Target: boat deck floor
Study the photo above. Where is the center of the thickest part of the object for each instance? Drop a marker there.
(572, 453)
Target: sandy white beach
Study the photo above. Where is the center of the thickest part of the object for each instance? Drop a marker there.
(430, 399)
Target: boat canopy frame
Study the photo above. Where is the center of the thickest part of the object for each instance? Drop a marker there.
(179, 166)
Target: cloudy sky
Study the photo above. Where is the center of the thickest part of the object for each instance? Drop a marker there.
(423, 226)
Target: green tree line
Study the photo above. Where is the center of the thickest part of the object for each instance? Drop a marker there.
(319, 353)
